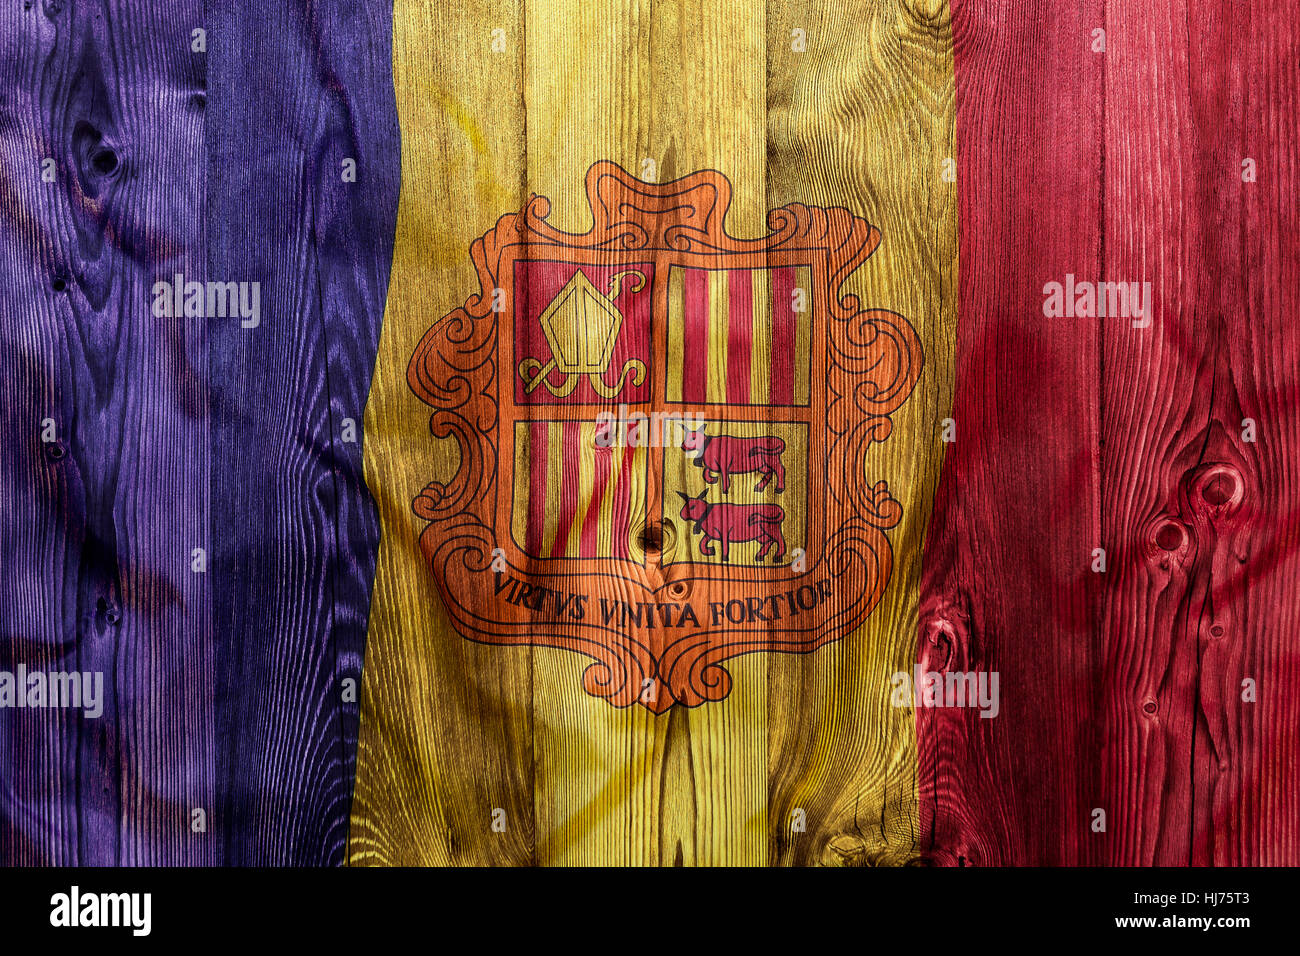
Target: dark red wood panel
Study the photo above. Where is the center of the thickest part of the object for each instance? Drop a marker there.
(1120, 691)
(1204, 594)
(1007, 585)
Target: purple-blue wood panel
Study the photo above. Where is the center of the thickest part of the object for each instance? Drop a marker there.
(223, 688)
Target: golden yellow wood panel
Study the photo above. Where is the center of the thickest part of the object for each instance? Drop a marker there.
(446, 725)
(662, 89)
(452, 730)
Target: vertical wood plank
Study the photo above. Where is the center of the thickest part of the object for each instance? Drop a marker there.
(864, 119)
(1159, 394)
(1254, 814)
(681, 85)
(97, 526)
(1200, 520)
(446, 729)
(1007, 584)
(293, 93)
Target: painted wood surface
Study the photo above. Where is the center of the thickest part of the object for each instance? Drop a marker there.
(299, 91)
(866, 118)
(446, 735)
(1122, 691)
(226, 691)
(223, 686)
(1202, 522)
(93, 580)
(1007, 584)
(684, 87)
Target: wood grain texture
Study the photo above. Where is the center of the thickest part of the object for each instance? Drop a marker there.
(873, 74)
(1201, 522)
(1007, 584)
(225, 690)
(294, 92)
(93, 579)
(180, 433)
(684, 87)
(446, 730)
(1121, 691)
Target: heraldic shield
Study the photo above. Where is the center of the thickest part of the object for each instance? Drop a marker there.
(662, 433)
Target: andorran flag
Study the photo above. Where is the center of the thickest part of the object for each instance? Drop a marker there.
(604, 433)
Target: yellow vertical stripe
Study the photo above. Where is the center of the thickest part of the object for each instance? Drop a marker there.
(605, 525)
(676, 333)
(803, 338)
(523, 456)
(585, 453)
(581, 782)
(686, 84)
(760, 364)
(719, 315)
(554, 467)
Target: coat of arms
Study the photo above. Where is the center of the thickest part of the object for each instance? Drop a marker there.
(662, 433)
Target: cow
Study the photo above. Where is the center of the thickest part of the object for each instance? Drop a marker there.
(721, 456)
(731, 524)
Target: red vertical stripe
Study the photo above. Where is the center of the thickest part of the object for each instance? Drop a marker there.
(695, 306)
(740, 333)
(1024, 785)
(570, 492)
(783, 328)
(538, 453)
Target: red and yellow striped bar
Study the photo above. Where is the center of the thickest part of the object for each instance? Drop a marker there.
(725, 326)
(575, 498)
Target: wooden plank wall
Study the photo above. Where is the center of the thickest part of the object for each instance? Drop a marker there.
(1122, 690)
(223, 687)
